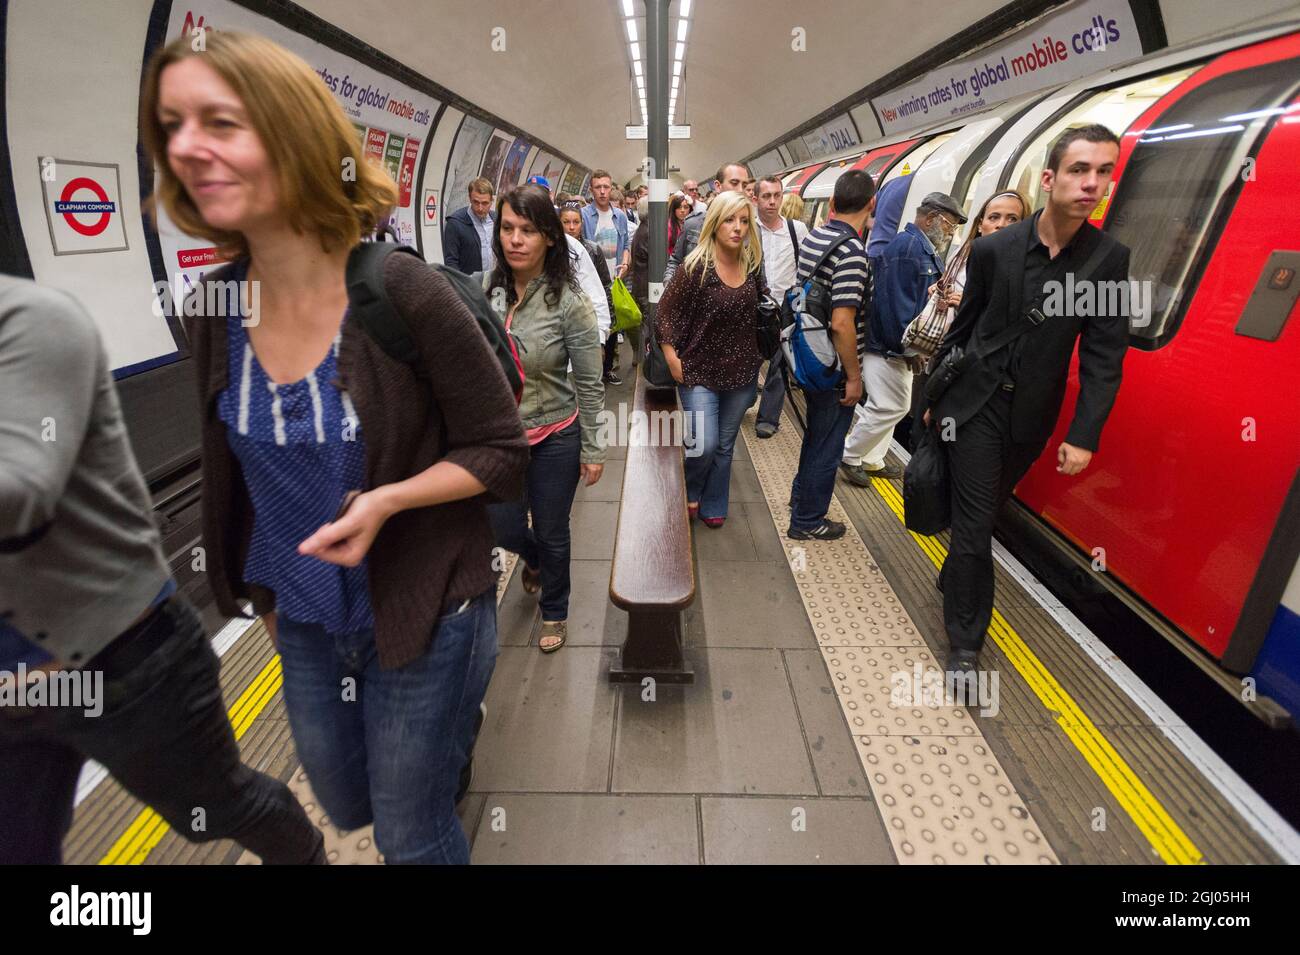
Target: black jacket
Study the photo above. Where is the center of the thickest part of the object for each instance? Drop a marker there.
(460, 246)
(992, 299)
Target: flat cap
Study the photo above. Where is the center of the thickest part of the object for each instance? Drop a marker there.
(944, 203)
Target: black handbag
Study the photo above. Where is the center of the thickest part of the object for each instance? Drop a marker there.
(767, 327)
(655, 368)
(927, 504)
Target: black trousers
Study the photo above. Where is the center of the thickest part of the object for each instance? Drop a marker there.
(164, 735)
(985, 466)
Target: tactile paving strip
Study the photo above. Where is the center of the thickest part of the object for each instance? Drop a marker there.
(941, 790)
(357, 847)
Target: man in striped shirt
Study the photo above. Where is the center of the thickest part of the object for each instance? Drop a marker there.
(830, 412)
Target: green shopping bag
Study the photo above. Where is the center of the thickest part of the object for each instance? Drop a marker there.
(626, 313)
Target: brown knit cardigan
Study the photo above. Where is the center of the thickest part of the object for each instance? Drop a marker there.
(462, 411)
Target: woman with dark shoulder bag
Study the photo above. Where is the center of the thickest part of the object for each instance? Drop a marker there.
(343, 490)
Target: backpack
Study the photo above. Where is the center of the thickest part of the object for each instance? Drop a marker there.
(369, 303)
(806, 340)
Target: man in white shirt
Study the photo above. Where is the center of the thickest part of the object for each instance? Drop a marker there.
(781, 240)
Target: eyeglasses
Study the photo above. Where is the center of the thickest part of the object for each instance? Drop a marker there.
(949, 225)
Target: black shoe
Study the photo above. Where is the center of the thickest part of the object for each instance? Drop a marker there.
(612, 379)
(961, 662)
(827, 530)
(764, 430)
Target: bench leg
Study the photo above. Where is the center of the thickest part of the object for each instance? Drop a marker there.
(653, 649)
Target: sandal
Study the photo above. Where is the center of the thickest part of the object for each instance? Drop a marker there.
(557, 628)
(531, 580)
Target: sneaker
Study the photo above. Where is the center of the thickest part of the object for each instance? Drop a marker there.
(764, 430)
(827, 530)
(857, 474)
(612, 379)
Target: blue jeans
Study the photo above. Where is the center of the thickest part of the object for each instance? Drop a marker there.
(819, 456)
(712, 423)
(387, 746)
(549, 486)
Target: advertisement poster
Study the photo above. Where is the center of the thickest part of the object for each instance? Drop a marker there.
(494, 157)
(572, 182)
(514, 165)
(83, 206)
(392, 120)
(549, 166)
(1082, 39)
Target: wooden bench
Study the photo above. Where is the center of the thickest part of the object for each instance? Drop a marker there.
(653, 575)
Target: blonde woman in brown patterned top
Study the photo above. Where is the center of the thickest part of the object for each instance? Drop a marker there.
(706, 327)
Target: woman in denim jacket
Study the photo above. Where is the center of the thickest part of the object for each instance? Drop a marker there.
(533, 287)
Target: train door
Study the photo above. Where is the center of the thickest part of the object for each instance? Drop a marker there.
(817, 194)
(1201, 449)
(912, 161)
(877, 161)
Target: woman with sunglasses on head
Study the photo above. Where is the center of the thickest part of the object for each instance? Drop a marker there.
(533, 287)
(706, 322)
(343, 490)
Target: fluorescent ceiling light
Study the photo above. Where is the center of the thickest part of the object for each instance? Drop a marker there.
(681, 52)
(636, 67)
(640, 82)
(631, 29)
(627, 8)
(676, 82)
(677, 68)
(686, 8)
(636, 51)
(681, 30)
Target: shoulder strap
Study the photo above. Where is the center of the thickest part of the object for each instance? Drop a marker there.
(794, 241)
(1033, 318)
(370, 305)
(812, 273)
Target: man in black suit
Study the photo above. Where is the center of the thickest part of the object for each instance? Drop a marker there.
(467, 238)
(998, 415)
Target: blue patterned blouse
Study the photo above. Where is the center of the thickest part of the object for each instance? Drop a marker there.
(300, 448)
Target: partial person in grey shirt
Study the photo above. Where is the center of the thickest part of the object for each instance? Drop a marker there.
(99, 657)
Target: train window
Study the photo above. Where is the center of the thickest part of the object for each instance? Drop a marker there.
(874, 168)
(1115, 109)
(917, 156)
(1178, 172)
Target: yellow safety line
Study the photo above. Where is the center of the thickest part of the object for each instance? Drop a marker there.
(139, 839)
(1140, 803)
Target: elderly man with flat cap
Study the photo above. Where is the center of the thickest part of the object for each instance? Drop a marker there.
(905, 271)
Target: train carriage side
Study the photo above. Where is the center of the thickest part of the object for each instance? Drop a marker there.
(1200, 453)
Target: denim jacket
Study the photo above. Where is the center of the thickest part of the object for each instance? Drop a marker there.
(591, 217)
(906, 268)
(551, 339)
